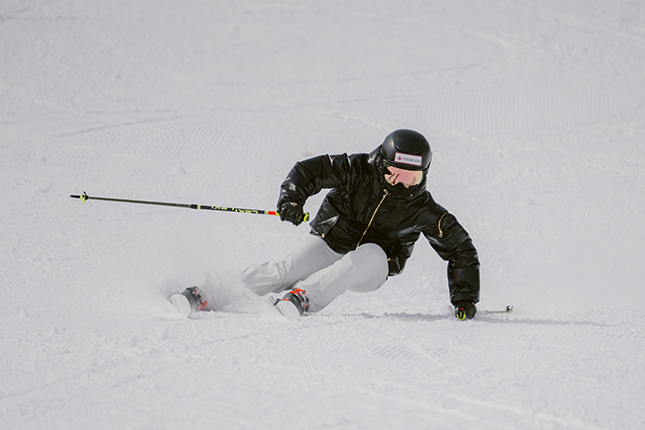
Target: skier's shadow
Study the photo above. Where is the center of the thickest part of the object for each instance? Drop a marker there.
(487, 318)
(404, 316)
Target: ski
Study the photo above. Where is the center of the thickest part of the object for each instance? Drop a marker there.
(508, 310)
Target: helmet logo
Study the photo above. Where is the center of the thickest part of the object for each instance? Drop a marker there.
(413, 160)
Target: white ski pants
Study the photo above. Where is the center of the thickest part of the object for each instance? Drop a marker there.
(323, 273)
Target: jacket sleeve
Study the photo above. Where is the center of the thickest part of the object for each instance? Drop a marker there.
(310, 176)
(453, 245)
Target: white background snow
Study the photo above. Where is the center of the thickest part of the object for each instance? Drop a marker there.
(535, 110)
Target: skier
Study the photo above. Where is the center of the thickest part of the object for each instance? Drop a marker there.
(365, 229)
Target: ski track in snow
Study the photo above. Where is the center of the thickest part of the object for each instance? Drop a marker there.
(535, 114)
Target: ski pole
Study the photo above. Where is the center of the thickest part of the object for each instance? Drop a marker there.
(508, 310)
(84, 197)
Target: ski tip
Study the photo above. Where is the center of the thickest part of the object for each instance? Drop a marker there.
(508, 310)
(181, 303)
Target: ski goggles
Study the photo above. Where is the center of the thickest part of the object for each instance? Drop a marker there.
(409, 178)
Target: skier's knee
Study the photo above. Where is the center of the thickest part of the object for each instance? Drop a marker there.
(373, 255)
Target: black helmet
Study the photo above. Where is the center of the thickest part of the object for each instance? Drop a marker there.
(406, 149)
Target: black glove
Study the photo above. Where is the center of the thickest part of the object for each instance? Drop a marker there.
(292, 212)
(465, 310)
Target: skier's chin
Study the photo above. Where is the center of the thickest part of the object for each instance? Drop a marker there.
(400, 190)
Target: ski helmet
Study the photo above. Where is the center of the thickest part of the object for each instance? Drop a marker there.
(406, 149)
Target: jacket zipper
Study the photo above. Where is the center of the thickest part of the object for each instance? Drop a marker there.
(439, 224)
(372, 219)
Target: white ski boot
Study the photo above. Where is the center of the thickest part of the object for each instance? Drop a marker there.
(293, 304)
(191, 300)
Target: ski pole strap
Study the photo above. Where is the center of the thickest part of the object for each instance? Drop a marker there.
(84, 197)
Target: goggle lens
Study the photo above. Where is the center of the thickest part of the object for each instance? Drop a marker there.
(409, 178)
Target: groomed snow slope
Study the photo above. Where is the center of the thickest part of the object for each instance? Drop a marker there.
(535, 110)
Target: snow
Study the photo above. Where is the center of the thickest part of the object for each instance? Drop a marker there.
(535, 110)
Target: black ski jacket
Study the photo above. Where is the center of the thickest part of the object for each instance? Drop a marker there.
(358, 209)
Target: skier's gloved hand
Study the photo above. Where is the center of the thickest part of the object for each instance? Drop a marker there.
(465, 310)
(292, 212)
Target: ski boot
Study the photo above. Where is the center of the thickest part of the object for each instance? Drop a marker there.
(191, 300)
(293, 304)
